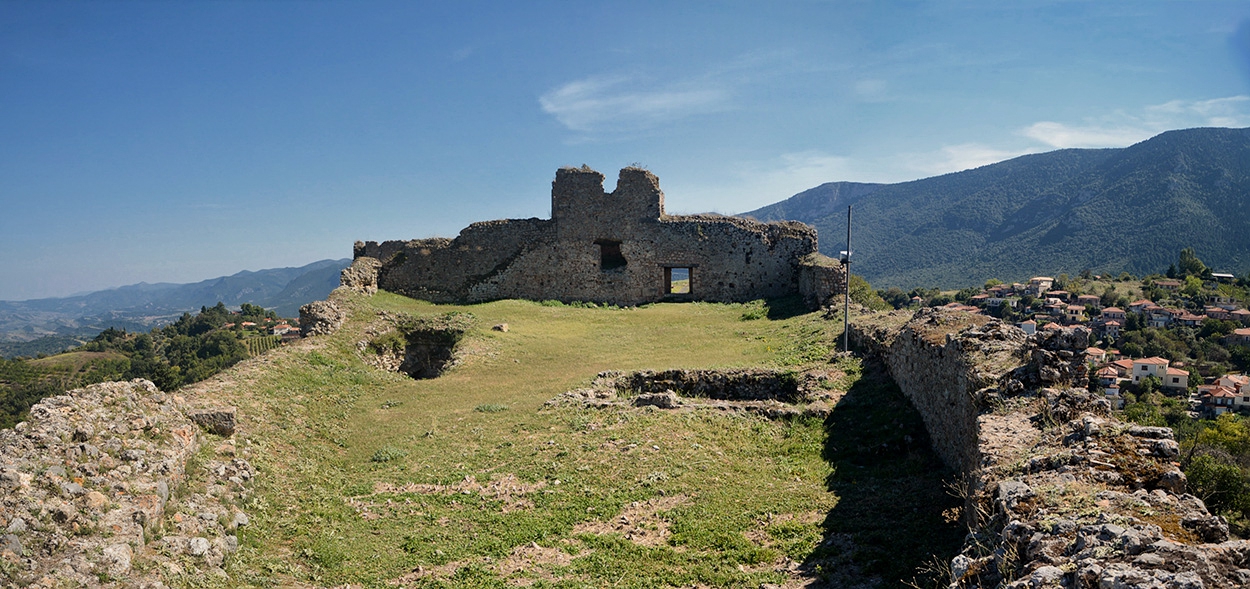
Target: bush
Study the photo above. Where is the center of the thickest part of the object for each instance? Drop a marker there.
(1221, 485)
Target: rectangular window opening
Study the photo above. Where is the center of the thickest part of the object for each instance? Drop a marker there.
(677, 281)
(610, 257)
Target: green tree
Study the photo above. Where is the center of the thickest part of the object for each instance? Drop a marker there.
(1193, 286)
(1190, 265)
(862, 293)
(895, 297)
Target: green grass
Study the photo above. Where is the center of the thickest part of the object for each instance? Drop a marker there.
(368, 476)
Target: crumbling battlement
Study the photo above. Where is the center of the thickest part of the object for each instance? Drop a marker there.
(616, 247)
(1058, 492)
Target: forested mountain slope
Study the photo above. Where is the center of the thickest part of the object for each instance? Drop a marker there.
(1108, 210)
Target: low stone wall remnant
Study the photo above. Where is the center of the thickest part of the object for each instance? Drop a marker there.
(320, 318)
(772, 393)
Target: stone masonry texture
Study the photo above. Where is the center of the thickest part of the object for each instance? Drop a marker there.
(1058, 492)
(618, 248)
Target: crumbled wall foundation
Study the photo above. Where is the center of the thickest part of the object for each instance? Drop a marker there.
(421, 347)
(772, 393)
(95, 476)
(1058, 492)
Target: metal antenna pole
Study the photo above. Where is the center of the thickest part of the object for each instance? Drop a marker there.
(846, 304)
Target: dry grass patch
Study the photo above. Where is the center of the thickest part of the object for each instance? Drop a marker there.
(642, 522)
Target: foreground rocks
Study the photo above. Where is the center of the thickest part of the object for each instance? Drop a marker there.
(96, 482)
(1058, 492)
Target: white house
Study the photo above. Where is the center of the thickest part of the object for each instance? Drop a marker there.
(1153, 366)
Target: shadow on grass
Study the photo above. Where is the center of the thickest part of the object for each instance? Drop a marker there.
(785, 307)
(888, 525)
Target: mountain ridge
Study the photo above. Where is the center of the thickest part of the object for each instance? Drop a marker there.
(1108, 210)
(139, 307)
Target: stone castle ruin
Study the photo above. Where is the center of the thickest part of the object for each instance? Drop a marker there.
(619, 248)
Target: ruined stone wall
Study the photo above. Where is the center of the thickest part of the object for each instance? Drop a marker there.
(729, 259)
(446, 270)
(1059, 493)
(941, 362)
(96, 489)
(821, 280)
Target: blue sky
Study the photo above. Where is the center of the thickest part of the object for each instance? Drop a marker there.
(177, 141)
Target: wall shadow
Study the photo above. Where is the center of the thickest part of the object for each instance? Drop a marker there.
(889, 525)
(785, 307)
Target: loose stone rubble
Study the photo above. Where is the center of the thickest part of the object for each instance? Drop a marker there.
(95, 482)
(321, 318)
(1058, 492)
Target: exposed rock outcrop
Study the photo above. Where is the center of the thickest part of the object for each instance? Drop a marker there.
(1058, 492)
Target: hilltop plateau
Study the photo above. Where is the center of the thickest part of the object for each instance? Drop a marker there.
(1106, 210)
(491, 475)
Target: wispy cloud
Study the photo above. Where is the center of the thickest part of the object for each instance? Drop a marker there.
(1125, 128)
(629, 102)
(955, 158)
(638, 100)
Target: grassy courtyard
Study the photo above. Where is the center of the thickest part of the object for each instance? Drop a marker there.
(369, 478)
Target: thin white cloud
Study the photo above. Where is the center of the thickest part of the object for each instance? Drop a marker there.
(956, 158)
(628, 102)
(1124, 128)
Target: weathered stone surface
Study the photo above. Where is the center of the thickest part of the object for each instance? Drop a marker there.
(665, 400)
(362, 275)
(771, 393)
(1038, 450)
(218, 420)
(617, 247)
(78, 513)
(320, 318)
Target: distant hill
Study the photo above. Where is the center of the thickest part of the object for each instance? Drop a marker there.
(54, 324)
(1107, 210)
